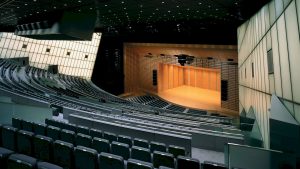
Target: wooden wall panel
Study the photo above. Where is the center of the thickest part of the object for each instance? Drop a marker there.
(205, 80)
(186, 76)
(192, 77)
(175, 76)
(171, 74)
(199, 78)
(165, 77)
(180, 76)
(212, 80)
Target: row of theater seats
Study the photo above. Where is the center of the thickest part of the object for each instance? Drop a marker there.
(101, 145)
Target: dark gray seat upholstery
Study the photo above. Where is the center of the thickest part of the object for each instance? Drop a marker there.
(46, 165)
(164, 167)
(141, 153)
(43, 147)
(163, 159)
(96, 133)
(67, 136)
(101, 145)
(83, 130)
(186, 162)
(63, 154)
(83, 140)
(212, 165)
(137, 164)
(120, 149)
(25, 142)
(53, 132)
(21, 161)
(27, 125)
(17, 123)
(110, 161)
(4, 154)
(110, 136)
(141, 143)
(85, 157)
(125, 140)
(1, 134)
(158, 146)
(9, 135)
(69, 126)
(39, 128)
(176, 150)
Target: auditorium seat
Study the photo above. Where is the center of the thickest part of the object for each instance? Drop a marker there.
(186, 162)
(17, 123)
(83, 130)
(69, 126)
(157, 146)
(120, 149)
(110, 161)
(27, 125)
(96, 133)
(39, 128)
(176, 150)
(110, 136)
(1, 134)
(52, 122)
(46, 165)
(163, 159)
(25, 142)
(125, 140)
(212, 165)
(83, 140)
(141, 153)
(164, 167)
(42, 147)
(67, 136)
(85, 157)
(53, 132)
(101, 145)
(141, 143)
(137, 164)
(9, 134)
(21, 161)
(4, 154)
(63, 154)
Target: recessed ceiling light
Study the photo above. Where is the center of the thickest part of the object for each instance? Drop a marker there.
(26, 4)
(169, 11)
(199, 3)
(79, 1)
(105, 5)
(162, 2)
(122, 2)
(177, 6)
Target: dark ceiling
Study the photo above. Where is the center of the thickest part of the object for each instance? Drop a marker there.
(186, 21)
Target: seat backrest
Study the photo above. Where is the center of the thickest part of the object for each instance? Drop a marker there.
(43, 147)
(120, 149)
(63, 154)
(9, 135)
(212, 165)
(110, 161)
(125, 140)
(187, 162)
(141, 143)
(101, 145)
(21, 161)
(85, 157)
(176, 150)
(27, 125)
(67, 136)
(137, 164)
(69, 126)
(163, 159)
(17, 123)
(83, 130)
(39, 128)
(158, 146)
(83, 140)
(96, 133)
(140, 153)
(46, 165)
(110, 136)
(53, 132)
(25, 142)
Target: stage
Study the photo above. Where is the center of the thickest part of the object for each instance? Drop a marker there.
(194, 97)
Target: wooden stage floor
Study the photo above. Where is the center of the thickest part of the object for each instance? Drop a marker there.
(197, 98)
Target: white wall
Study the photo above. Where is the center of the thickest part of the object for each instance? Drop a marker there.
(74, 64)
(276, 27)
